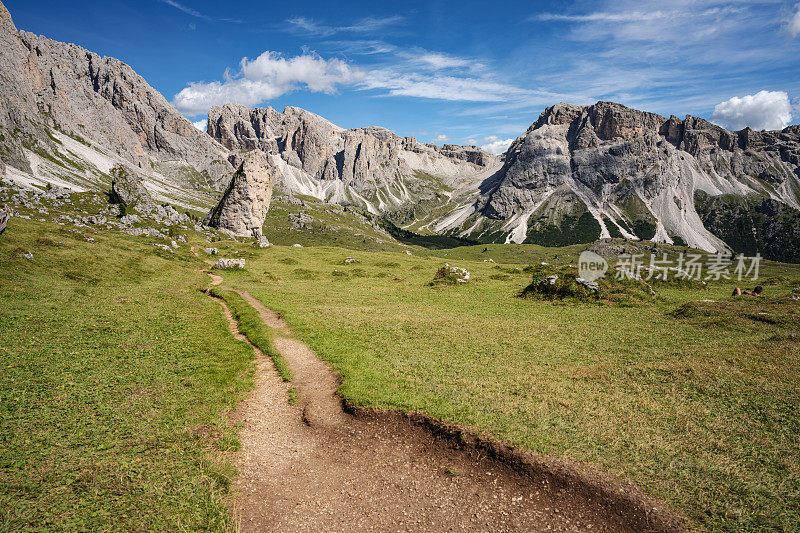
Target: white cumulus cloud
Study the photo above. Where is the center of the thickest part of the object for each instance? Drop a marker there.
(201, 125)
(268, 76)
(765, 110)
(495, 145)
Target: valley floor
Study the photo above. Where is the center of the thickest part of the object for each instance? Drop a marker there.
(120, 374)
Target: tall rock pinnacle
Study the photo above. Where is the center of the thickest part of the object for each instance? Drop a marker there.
(244, 205)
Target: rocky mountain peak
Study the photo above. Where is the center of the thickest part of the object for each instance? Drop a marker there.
(370, 166)
(6, 23)
(51, 86)
(561, 113)
(605, 170)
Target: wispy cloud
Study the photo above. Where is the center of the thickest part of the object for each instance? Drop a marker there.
(661, 52)
(361, 47)
(632, 16)
(364, 25)
(437, 87)
(195, 13)
(415, 73)
(419, 73)
(793, 24)
(185, 9)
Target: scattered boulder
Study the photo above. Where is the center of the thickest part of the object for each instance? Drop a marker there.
(228, 264)
(263, 242)
(5, 216)
(564, 282)
(130, 219)
(211, 251)
(548, 282)
(349, 260)
(297, 245)
(28, 255)
(244, 205)
(300, 220)
(591, 285)
(55, 193)
(96, 219)
(450, 275)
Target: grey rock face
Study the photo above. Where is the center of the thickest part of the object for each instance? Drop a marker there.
(628, 173)
(228, 264)
(364, 160)
(300, 220)
(48, 84)
(128, 188)
(244, 205)
(309, 142)
(5, 216)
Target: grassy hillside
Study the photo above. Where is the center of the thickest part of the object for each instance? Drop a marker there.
(116, 376)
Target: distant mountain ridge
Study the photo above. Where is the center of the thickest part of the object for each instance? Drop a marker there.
(606, 170)
(370, 166)
(579, 173)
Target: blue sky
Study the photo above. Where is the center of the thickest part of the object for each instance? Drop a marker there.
(463, 72)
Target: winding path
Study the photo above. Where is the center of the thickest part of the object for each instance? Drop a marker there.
(312, 466)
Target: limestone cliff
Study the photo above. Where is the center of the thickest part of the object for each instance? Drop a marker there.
(49, 89)
(370, 166)
(605, 170)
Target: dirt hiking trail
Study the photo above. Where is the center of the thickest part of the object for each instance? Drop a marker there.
(314, 466)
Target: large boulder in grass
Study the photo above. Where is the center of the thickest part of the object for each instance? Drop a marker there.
(127, 188)
(244, 206)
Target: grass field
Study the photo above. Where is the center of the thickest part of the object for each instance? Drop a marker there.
(697, 403)
(118, 373)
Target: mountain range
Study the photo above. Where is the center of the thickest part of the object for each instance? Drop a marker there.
(578, 174)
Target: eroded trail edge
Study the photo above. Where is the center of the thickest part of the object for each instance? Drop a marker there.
(323, 465)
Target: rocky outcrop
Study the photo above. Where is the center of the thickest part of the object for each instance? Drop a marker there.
(128, 188)
(370, 166)
(606, 170)
(244, 206)
(361, 158)
(48, 85)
